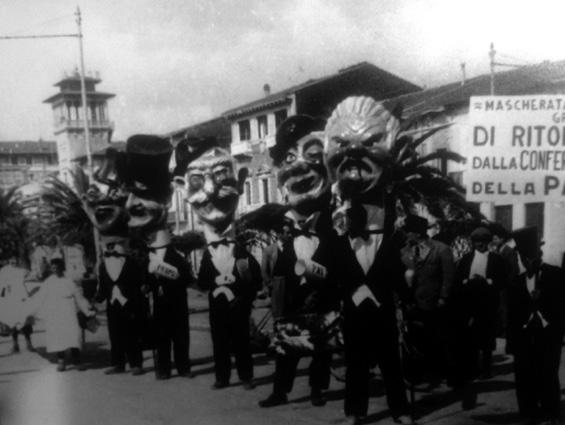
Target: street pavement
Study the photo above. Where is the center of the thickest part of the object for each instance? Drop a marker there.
(32, 392)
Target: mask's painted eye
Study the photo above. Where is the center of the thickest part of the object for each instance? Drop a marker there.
(374, 140)
(221, 175)
(195, 181)
(341, 143)
(314, 153)
(290, 157)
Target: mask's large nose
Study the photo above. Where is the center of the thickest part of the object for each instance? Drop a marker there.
(209, 186)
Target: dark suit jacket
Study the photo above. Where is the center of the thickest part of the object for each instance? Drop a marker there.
(434, 275)
(129, 282)
(550, 302)
(384, 278)
(244, 287)
(173, 290)
(315, 295)
(496, 270)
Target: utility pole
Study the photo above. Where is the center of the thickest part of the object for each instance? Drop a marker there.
(491, 53)
(83, 96)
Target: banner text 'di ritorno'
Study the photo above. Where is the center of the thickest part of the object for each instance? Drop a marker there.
(516, 149)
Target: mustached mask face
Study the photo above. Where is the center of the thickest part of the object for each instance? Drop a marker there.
(358, 138)
(302, 173)
(213, 189)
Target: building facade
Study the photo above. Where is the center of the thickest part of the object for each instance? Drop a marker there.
(450, 104)
(25, 162)
(253, 125)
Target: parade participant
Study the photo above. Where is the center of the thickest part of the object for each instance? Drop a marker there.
(119, 278)
(430, 272)
(59, 298)
(479, 277)
(168, 273)
(306, 259)
(536, 325)
(13, 297)
(359, 134)
(230, 274)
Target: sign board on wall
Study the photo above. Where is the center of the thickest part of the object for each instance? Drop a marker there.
(516, 149)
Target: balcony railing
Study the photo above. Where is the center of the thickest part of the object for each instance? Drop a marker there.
(98, 124)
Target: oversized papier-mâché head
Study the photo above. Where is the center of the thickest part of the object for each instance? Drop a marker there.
(212, 182)
(359, 135)
(298, 155)
(148, 180)
(105, 199)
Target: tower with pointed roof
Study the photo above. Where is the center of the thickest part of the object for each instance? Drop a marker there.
(69, 120)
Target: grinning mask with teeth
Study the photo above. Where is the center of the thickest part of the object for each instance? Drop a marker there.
(299, 156)
(359, 135)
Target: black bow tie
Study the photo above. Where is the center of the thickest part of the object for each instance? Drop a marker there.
(154, 249)
(113, 254)
(302, 232)
(224, 241)
(364, 234)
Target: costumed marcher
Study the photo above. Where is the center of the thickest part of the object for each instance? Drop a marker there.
(430, 273)
(119, 276)
(359, 134)
(168, 274)
(230, 274)
(536, 325)
(13, 303)
(306, 260)
(479, 277)
(59, 300)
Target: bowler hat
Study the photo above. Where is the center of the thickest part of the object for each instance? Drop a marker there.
(481, 234)
(291, 131)
(415, 224)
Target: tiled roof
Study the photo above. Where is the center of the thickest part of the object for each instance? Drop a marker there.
(544, 77)
(28, 147)
(282, 97)
(216, 127)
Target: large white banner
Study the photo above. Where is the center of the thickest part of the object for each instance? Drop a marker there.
(516, 149)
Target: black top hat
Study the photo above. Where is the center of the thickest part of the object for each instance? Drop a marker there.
(147, 162)
(527, 242)
(189, 149)
(415, 224)
(290, 131)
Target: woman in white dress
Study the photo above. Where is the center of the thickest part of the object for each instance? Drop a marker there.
(60, 299)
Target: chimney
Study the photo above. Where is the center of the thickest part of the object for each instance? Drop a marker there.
(267, 89)
(463, 76)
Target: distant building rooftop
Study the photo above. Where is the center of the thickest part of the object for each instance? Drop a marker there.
(28, 147)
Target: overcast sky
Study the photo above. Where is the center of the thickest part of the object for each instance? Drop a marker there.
(177, 62)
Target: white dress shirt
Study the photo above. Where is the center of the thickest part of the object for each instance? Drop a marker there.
(479, 264)
(223, 259)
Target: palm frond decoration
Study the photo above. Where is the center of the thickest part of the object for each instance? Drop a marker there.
(415, 183)
(64, 213)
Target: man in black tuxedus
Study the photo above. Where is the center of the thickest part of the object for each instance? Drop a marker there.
(168, 273)
(306, 261)
(230, 274)
(536, 324)
(359, 134)
(119, 276)
(479, 278)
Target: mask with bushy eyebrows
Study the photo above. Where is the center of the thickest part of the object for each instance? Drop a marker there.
(213, 188)
(359, 135)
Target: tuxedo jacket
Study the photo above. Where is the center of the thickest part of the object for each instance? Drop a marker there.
(314, 295)
(129, 283)
(171, 291)
(496, 270)
(385, 277)
(244, 287)
(550, 300)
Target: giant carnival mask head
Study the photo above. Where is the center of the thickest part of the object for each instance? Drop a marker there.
(299, 156)
(359, 135)
(148, 181)
(212, 185)
(105, 200)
